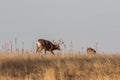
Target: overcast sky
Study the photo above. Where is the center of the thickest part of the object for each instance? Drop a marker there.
(84, 22)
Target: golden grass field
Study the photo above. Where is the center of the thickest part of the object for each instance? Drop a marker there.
(68, 66)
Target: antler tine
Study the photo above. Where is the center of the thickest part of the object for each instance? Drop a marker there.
(61, 41)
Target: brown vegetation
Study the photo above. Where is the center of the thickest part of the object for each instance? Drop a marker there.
(59, 67)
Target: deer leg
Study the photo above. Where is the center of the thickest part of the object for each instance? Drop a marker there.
(45, 51)
(40, 50)
(52, 52)
(37, 50)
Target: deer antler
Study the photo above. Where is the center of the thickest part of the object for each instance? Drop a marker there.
(60, 41)
(54, 42)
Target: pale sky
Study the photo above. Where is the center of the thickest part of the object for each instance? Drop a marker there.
(84, 22)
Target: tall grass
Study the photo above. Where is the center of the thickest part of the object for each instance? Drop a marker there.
(59, 67)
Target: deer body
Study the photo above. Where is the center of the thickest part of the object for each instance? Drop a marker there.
(46, 45)
(91, 51)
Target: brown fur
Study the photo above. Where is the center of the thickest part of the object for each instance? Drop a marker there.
(47, 46)
(91, 51)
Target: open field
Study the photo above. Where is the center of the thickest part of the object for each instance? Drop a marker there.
(59, 67)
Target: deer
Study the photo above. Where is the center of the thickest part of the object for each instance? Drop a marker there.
(47, 45)
(91, 51)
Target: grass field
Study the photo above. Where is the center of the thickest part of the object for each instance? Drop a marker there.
(59, 67)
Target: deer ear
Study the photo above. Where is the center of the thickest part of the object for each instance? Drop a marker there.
(54, 42)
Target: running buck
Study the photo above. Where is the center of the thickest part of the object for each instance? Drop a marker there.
(47, 45)
(91, 51)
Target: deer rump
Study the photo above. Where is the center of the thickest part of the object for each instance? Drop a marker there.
(91, 51)
(47, 46)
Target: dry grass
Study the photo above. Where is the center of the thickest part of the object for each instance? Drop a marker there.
(59, 67)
